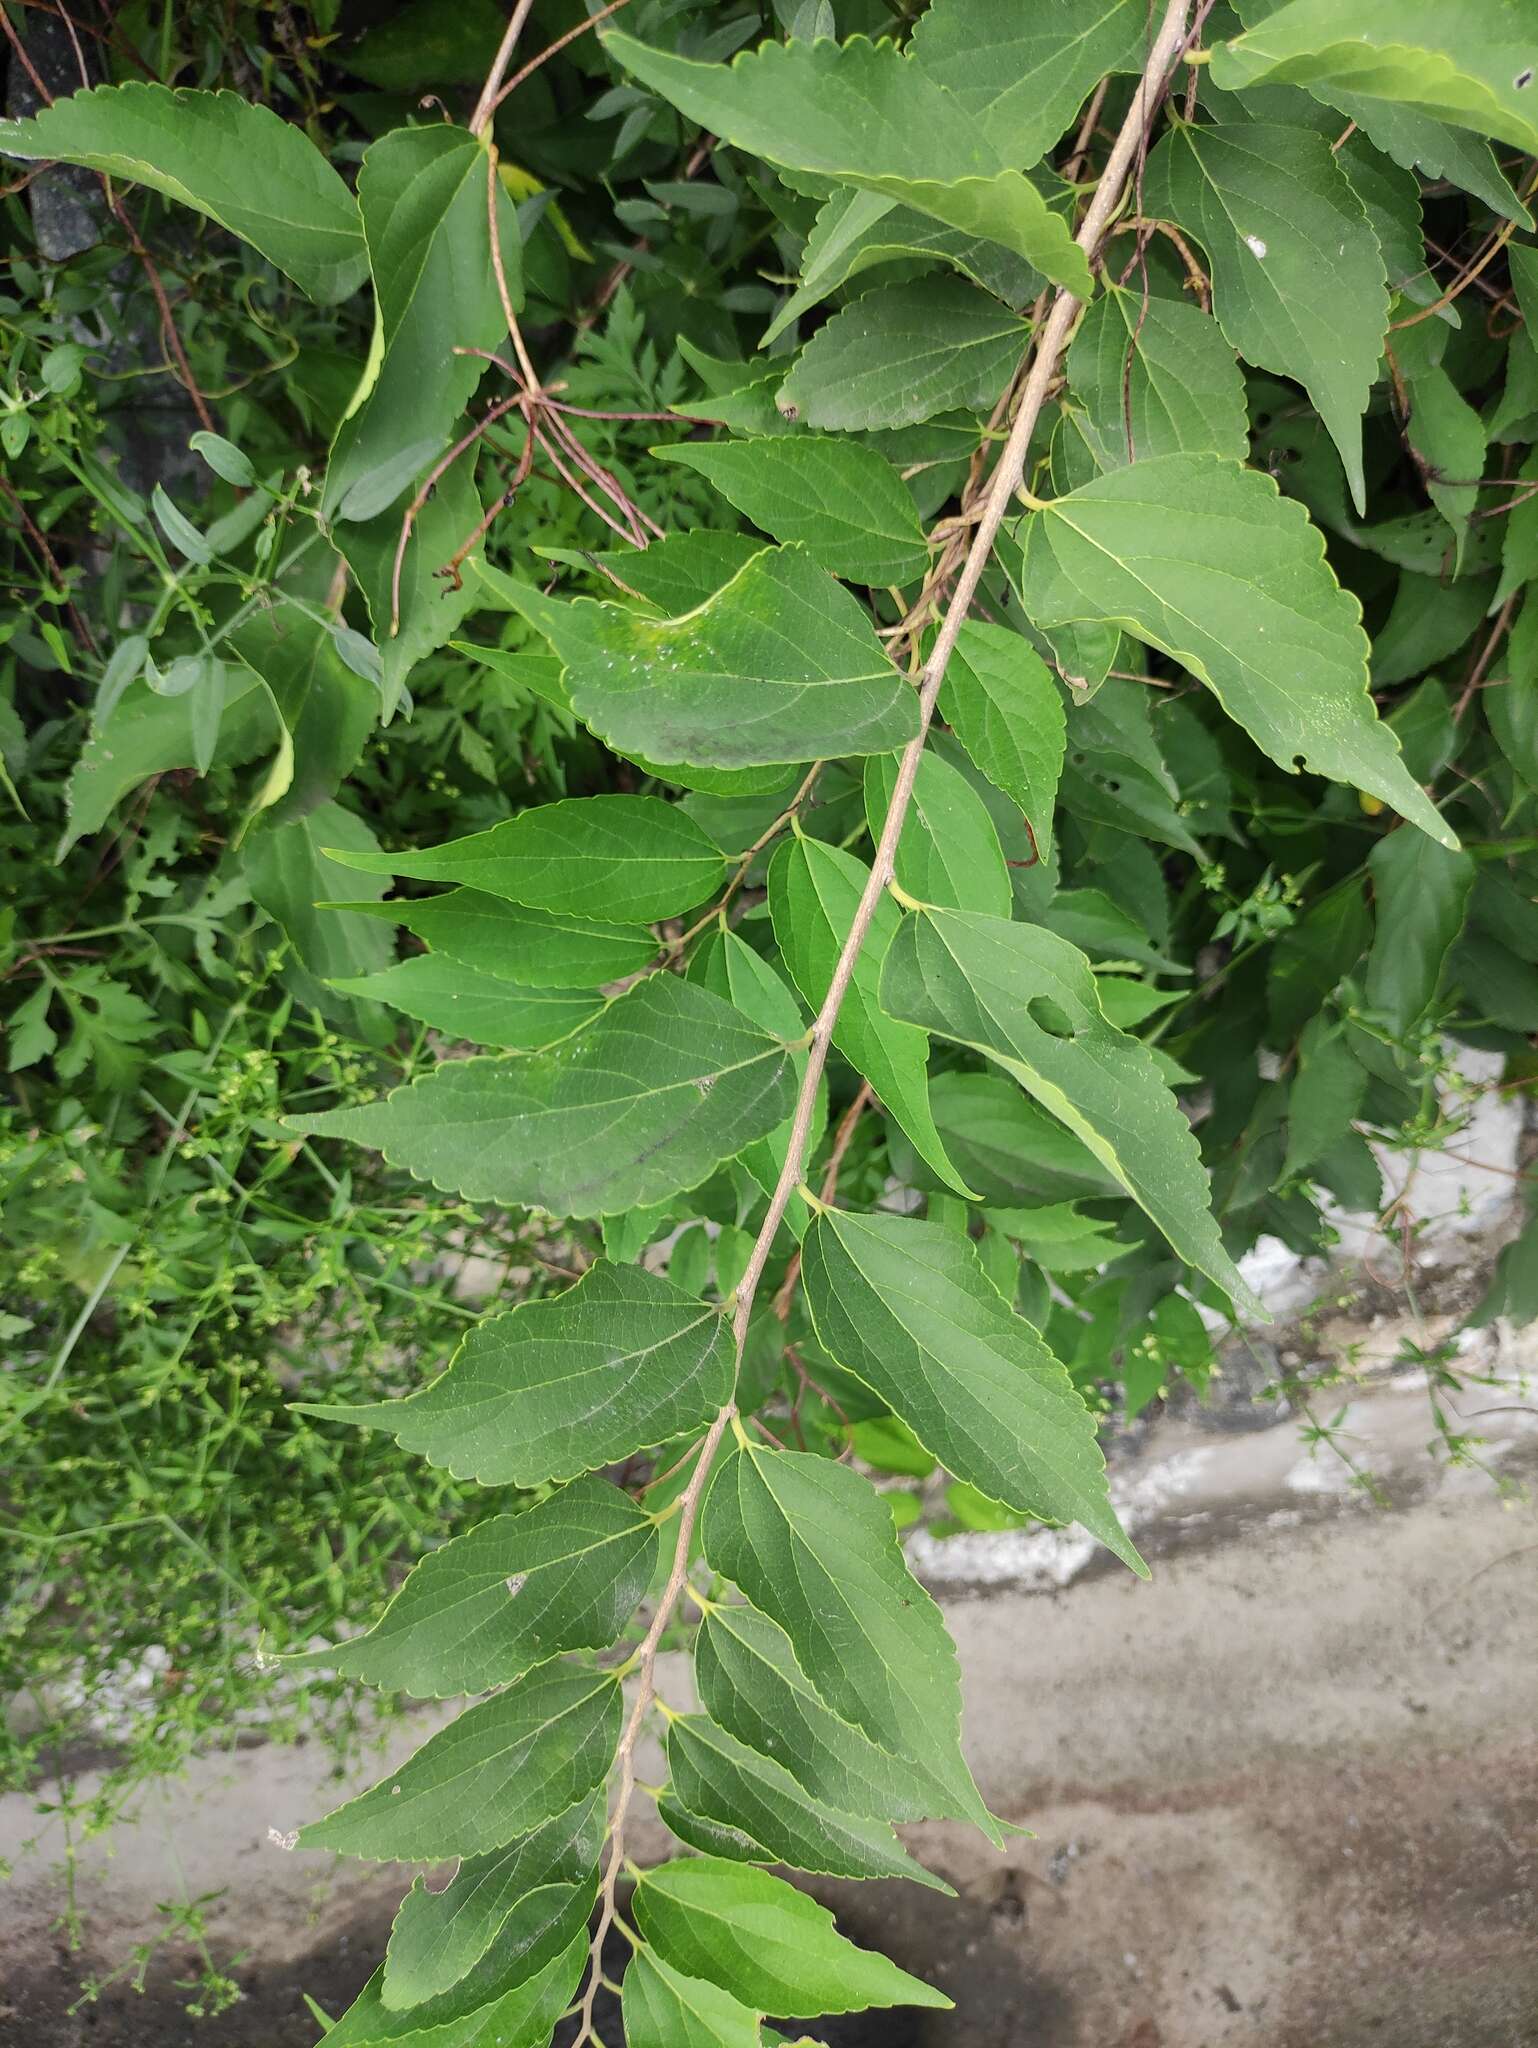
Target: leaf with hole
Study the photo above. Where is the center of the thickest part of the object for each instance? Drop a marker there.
(1026, 998)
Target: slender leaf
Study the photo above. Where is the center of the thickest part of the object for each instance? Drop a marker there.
(522, 1898)
(949, 851)
(465, 1003)
(539, 948)
(1005, 709)
(475, 2014)
(905, 353)
(812, 1544)
(813, 891)
(628, 858)
(665, 2009)
(906, 1306)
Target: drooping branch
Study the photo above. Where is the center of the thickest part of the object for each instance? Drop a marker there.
(1048, 345)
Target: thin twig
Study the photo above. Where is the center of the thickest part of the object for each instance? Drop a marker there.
(1048, 346)
(491, 91)
(39, 540)
(551, 49)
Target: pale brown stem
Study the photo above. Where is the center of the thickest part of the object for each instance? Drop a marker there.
(1048, 346)
(491, 91)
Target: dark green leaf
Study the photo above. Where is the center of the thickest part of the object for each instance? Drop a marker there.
(812, 1544)
(567, 1574)
(1420, 897)
(629, 858)
(907, 1307)
(904, 353)
(844, 503)
(539, 948)
(620, 1362)
(813, 891)
(1027, 999)
(949, 851)
(466, 1003)
(507, 1765)
(1155, 377)
(226, 156)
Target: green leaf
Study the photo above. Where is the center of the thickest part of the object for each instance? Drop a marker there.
(423, 196)
(539, 948)
(1022, 73)
(662, 2008)
(725, 1783)
(1001, 702)
(726, 965)
(465, 1003)
(864, 114)
(1420, 900)
(906, 1306)
(505, 1766)
(843, 502)
(856, 230)
(145, 734)
(485, 1607)
(1155, 377)
(1326, 1092)
(1027, 999)
(228, 157)
(1511, 700)
(1298, 281)
(813, 1546)
(627, 858)
(555, 1388)
(643, 1103)
(431, 608)
(759, 1938)
(949, 851)
(293, 869)
(1448, 437)
(475, 2014)
(675, 573)
(1244, 598)
(753, 1687)
(1471, 62)
(904, 353)
(1014, 1152)
(328, 710)
(813, 892)
(780, 665)
(522, 1899)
